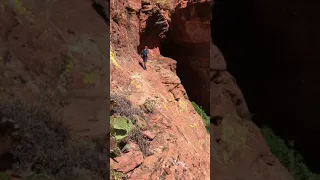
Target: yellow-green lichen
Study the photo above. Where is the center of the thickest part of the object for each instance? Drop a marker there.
(91, 78)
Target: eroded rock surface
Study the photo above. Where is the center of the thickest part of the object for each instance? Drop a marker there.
(178, 141)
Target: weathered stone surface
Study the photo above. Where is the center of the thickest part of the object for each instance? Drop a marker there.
(128, 161)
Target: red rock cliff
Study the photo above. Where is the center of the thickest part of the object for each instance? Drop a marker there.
(180, 146)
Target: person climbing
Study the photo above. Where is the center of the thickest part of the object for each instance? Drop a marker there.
(144, 55)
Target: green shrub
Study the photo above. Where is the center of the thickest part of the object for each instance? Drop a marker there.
(204, 116)
(126, 127)
(121, 127)
(289, 157)
(115, 175)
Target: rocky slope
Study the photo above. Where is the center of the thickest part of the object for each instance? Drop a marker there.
(180, 146)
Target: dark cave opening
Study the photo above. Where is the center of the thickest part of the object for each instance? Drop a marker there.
(188, 42)
(189, 49)
(190, 78)
(273, 72)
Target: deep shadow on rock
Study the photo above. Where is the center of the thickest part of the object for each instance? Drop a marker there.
(188, 42)
(102, 10)
(272, 50)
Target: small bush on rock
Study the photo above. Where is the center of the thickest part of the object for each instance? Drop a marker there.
(124, 107)
(137, 137)
(148, 105)
(204, 116)
(289, 157)
(126, 126)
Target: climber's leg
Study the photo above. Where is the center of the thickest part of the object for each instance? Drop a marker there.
(145, 63)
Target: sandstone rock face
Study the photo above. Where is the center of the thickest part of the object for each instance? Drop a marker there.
(154, 24)
(128, 161)
(178, 142)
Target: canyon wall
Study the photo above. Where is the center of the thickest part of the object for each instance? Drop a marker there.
(273, 54)
(188, 42)
(238, 149)
(180, 148)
